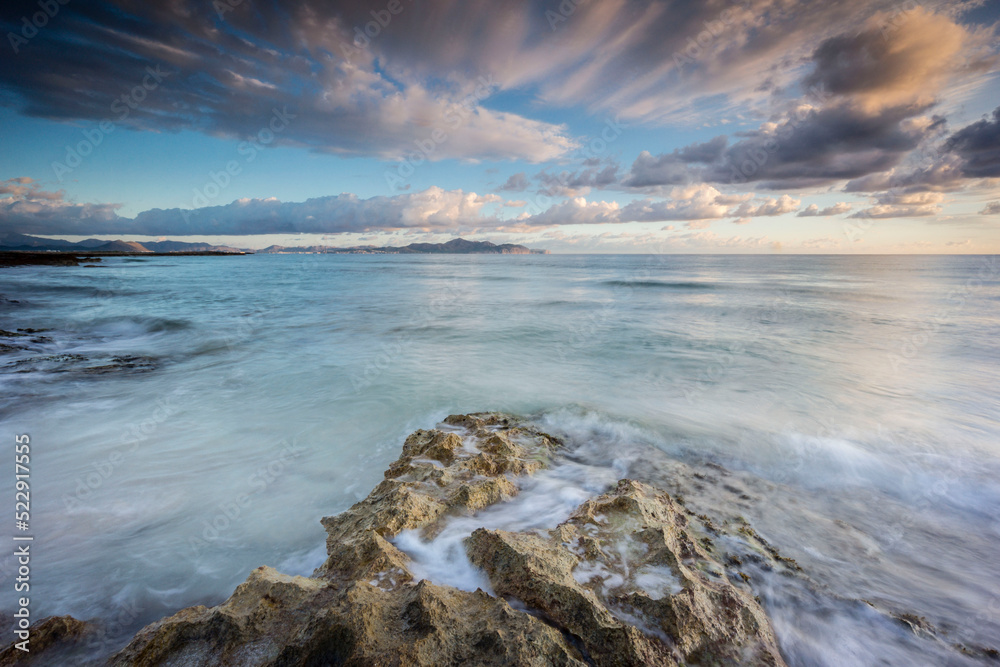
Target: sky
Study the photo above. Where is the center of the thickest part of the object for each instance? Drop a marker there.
(797, 126)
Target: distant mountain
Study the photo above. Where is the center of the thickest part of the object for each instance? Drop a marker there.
(25, 242)
(182, 246)
(461, 246)
(121, 246)
(453, 247)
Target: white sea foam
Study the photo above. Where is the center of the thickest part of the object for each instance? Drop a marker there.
(544, 500)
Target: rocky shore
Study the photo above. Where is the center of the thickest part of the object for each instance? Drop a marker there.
(10, 259)
(629, 579)
(631, 576)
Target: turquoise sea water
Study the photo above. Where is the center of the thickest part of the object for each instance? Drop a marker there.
(854, 402)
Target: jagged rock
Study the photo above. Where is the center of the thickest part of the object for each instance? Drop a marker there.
(626, 577)
(51, 640)
(623, 582)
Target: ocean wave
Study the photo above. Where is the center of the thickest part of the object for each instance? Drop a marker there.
(137, 325)
(661, 284)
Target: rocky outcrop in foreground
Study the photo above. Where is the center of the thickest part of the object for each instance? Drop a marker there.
(628, 579)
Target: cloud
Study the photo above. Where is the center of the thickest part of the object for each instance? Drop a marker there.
(575, 211)
(697, 202)
(767, 207)
(992, 208)
(675, 168)
(942, 174)
(813, 210)
(698, 205)
(709, 240)
(978, 145)
(649, 60)
(864, 113)
(431, 209)
(24, 188)
(30, 210)
(902, 63)
(572, 184)
(439, 61)
(224, 75)
(804, 147)
(516, 183)
(698, 224)
(903, 205)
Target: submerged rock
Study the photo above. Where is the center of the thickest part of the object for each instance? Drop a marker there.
(626, 580)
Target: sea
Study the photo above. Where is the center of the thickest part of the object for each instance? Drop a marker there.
(192, 418)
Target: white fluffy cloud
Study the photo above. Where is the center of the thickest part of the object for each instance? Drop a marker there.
(695, 204)
(813, 210)
(903, 205)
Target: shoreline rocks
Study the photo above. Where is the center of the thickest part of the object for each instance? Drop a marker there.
(573, 596)
(627, 579)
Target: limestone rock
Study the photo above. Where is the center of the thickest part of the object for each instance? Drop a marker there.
(51, 641)
(626, 578)
(624, 581)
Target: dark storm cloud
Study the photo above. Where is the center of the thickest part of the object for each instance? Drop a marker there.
(978, 145)
(362, 79)
(358, 79)
(810, 147)
(863, 112)
(225, 74)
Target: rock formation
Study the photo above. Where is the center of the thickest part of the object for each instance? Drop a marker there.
(628, 579)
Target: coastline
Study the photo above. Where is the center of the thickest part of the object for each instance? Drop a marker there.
(54, 258)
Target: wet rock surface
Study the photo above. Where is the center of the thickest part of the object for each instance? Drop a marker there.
(53, 640)
(12, 259)
(29, 350)
(627, 577)
(624, 581)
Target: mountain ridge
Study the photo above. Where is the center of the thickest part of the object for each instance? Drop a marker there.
(457, 246)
